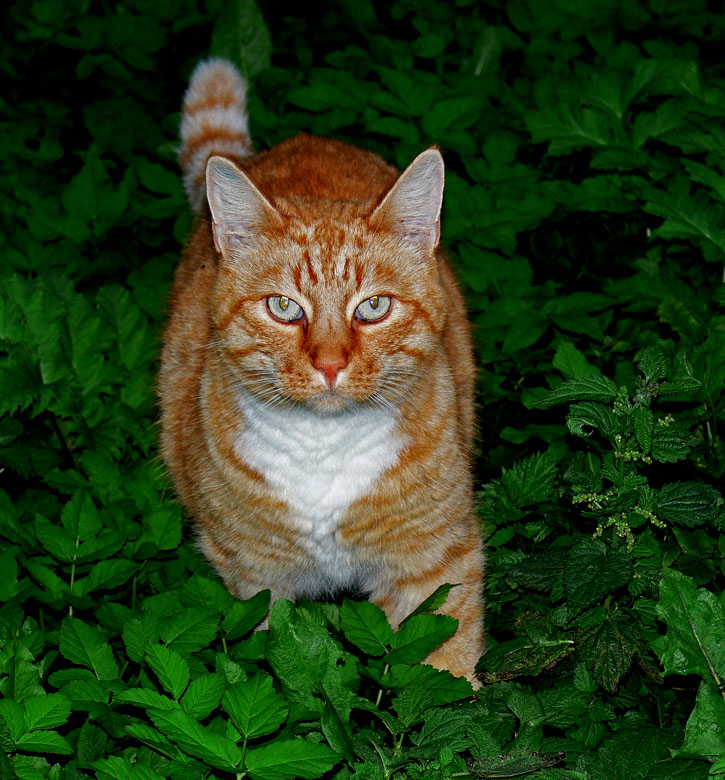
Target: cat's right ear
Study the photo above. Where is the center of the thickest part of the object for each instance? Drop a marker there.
(239, 210)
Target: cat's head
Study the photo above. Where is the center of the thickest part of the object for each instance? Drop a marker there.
(328, 303)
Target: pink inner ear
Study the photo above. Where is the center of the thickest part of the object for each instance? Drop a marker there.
(412, 207)
(240, 212)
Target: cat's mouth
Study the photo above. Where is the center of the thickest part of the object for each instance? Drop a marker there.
(330, 402)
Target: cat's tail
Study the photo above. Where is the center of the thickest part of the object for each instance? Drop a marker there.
(213, 121)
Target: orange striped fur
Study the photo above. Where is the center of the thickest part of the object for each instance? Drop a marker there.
(331, 450)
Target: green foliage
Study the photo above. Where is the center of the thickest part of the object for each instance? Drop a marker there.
(583, 213)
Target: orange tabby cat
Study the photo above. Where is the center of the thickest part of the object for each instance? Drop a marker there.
(317, 372)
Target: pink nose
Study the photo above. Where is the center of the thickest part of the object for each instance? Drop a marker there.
(330, 366)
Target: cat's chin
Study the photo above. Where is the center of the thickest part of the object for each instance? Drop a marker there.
(330, 403)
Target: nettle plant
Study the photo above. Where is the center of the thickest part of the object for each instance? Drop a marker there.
(611, 485)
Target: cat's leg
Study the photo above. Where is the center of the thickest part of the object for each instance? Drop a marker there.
(461, 565)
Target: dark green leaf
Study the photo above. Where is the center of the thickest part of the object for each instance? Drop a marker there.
(291, 758)
(592, 571)
(589, 388)
(255, 707)
(418, 636)
(366, 626)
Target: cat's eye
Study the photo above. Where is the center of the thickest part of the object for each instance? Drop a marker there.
(284, 308)
(373, 309)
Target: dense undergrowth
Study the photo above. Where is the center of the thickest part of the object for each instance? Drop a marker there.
(584, 209)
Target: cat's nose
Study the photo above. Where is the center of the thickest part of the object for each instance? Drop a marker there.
(330, 365)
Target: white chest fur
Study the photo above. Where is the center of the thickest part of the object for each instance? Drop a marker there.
(319, 464)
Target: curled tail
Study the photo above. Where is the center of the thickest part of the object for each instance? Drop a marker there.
(214, 121)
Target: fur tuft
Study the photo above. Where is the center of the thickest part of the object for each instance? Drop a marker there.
(214, 121)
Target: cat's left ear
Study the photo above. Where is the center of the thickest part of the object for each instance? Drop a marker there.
(239, 211)
(412, 208)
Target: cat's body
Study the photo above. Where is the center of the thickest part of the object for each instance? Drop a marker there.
(317, 373)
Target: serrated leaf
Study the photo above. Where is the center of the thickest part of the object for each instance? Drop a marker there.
(145, 697)
(592, 571)
(531, 481)
(106, 574)
(43, 742)
(190, 630)
(301, 652)
(584, 416)
(643, 421)
(443, 728)
(243, 616)
(608, 648)
(171, 669)
(433, 602)
(85, 645)
(13, 715)
(117, 768)
(80, 517)
(588, 388)
(366, 626)
(203, 695)
(290, 758)
(420, 635)
(194, 739)
(46, 712)
(688, 503)
(254, 706)
(440, 684)
(669, 445)
(653, 364)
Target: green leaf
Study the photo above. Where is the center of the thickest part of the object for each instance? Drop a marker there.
(290, 758)
(643, 421)
(436, 600)
(572, 363)
(592, 571)
(243, 616)
(366, 626)
(669, 445)
(443, 728)
(254, 706)
(203, 695)
(106, 574)
(13, 715)
(145, 697)
(80, 517)
(301, 652)
(653, 364)
(43, 742)
(194, 739)
(584, 416)
(46, 712)
(87, 646)
(608, 648)
(704, 733)
(241, 35)
(531, 481)
(694, 617)
(418, 636)
(689, 503)
(117, 768)
(190, 630)
(588, 388)
(171, 669)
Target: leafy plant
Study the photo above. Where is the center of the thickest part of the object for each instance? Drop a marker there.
(583, 213)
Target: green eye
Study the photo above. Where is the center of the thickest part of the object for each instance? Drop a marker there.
(284, 308)
(373, 309)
